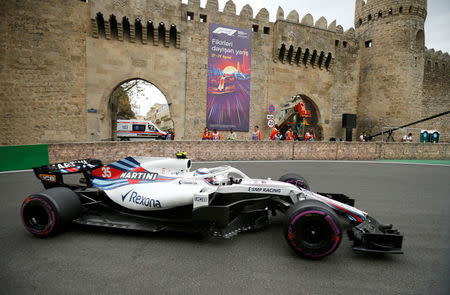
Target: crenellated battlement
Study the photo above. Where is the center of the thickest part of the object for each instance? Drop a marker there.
(437, 61)
(135, 21)
(247, 12)
(367, 12)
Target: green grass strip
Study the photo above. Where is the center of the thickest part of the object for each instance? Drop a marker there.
(433, 162)
(21, 157)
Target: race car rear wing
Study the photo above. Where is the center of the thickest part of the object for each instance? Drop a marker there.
(52, 175)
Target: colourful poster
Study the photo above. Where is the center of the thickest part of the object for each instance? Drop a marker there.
(229, 62)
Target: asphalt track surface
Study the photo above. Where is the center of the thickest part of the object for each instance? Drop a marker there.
(415, 198)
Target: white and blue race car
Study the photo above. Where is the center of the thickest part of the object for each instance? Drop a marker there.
(157, 194)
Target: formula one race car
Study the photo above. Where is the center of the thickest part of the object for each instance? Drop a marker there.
(156, 194)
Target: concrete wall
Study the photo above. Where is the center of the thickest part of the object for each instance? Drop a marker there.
(248, 150)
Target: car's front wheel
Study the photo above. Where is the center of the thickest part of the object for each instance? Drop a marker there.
(312, 229)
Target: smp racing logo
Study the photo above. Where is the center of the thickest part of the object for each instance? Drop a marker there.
(133, 197)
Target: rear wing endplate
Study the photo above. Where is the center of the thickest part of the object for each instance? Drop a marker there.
(52, 175)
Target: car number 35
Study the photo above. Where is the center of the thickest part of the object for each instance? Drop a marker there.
(106, 172)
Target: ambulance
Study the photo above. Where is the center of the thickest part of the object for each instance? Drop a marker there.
(129, 129)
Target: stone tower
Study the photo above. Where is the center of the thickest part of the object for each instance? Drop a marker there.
(391, 40)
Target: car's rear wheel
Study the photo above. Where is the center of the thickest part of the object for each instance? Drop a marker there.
(296, 180)
(51, 211)
(312, 229)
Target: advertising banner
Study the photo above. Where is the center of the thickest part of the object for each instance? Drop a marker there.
(229, 61)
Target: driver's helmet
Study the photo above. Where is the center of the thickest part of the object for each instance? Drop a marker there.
(220, 179)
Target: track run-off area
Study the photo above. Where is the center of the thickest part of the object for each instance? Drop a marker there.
(83, 260)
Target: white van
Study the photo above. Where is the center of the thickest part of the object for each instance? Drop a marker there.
(127, 129)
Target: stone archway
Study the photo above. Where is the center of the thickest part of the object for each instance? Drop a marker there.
(109, 64)
(315, 120)
(146, 97)
(299, 124)
(100, 123)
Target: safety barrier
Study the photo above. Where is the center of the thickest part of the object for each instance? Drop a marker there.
(251, 150)
(25, 157)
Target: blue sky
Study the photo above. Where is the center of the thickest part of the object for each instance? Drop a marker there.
(437, 25)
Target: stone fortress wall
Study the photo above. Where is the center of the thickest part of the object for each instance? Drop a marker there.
(61, 58)
(43, 71)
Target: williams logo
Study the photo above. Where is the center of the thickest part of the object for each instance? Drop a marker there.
(133, 197)
(70, 164)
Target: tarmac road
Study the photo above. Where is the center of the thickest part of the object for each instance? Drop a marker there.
(415, 198)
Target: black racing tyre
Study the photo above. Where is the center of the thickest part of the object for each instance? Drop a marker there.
(312, 229)
(51, 211)
(295, 179)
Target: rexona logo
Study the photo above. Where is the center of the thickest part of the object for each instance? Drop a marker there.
(226, 31)
(139, 175)
(71, 164)
(141, 200)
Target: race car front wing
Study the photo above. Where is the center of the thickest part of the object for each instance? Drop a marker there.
(371, 236)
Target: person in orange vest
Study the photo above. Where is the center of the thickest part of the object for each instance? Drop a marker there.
(256, 135)
(215, 135)
(310, 136)
(206, 134)
(274, 132)
(289, 134)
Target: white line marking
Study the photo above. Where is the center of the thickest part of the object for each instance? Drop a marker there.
(15, 171)
(319, 161)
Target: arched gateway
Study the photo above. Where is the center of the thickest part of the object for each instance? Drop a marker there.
(300, 113)
(139, 99)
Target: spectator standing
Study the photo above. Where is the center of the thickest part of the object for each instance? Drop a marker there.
(274, 132)
(278, 136)
(289, 135)
(168, 135)
(295, 136)
(232, 135)
(310, 136)
(215, 135)
(256, 135)
(362, 137)
(206, 134)
(407, 138)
